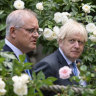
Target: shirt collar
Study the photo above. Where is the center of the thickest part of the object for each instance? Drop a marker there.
(15, 49)
(67, 60)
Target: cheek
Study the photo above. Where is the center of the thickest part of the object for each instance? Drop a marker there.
(66, 50)
(27, 38)
(81, 49)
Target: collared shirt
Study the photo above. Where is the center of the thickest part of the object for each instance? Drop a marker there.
(82, 82)
(17, 53)
(68, 61)
(15, 49)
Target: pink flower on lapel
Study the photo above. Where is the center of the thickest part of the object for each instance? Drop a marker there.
(65, 72)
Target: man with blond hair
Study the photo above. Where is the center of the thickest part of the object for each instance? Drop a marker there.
(71, 41)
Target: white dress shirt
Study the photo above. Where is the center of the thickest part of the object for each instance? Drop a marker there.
(15, 49)
(82, 82)
(67, 60)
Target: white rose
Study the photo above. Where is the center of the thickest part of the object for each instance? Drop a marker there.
(94, 32)
(39, 6)
(58, 17)
(65, 72)
(20, 84)
(20, 89)
(66, 14)
(2, 92)
(90, 27)
(18, 4)
(15, 78)
(64, 19)
(48, 34)
(92, 38)
(86, 8)
(40, 29)
(2, 86)
(25, 78)
(54, 36)
(56, 29)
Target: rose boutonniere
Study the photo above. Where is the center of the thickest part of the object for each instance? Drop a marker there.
(65, 72)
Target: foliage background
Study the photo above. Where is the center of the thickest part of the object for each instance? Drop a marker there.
(45, 17)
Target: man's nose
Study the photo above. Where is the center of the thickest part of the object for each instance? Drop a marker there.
(77, 44)
(36, 34)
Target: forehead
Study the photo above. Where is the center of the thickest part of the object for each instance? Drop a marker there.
(76, 36)
(31, 21)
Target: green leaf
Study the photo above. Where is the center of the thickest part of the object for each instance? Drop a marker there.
(71, 92)
(67, 7)
(2, 59)
(83, 68)
(66, 1)
(49, 80)
(2, 27)
(77, 79)
(2, 42)
(40, 76)
(22, 57)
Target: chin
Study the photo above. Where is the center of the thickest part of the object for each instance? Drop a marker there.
(75, 57)
(33, 48)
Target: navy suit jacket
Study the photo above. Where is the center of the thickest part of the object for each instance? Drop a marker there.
(50, 66)
(6, 48)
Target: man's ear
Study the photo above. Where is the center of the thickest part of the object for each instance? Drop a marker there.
(60, 41)
(12, 32)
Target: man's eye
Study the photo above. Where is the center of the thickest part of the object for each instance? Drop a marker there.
(80, 42)
(72, 41)
(31, 30)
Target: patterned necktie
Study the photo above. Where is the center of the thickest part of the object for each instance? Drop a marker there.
(75, 71)
(27, 70)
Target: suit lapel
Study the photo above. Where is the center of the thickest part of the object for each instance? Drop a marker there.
(6, 48)
(62, 62)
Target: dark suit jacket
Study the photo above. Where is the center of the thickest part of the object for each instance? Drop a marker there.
(50, 65)
(6, 48)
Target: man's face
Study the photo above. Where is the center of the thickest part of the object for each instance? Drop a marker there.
(26, 36)
(72, 46)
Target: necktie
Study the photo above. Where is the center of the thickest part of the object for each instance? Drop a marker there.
(75, 71)
(27, 70)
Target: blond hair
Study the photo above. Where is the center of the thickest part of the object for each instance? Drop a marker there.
(72, 27)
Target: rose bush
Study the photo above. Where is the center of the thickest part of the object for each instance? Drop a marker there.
(52, 14)
(15, 83)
